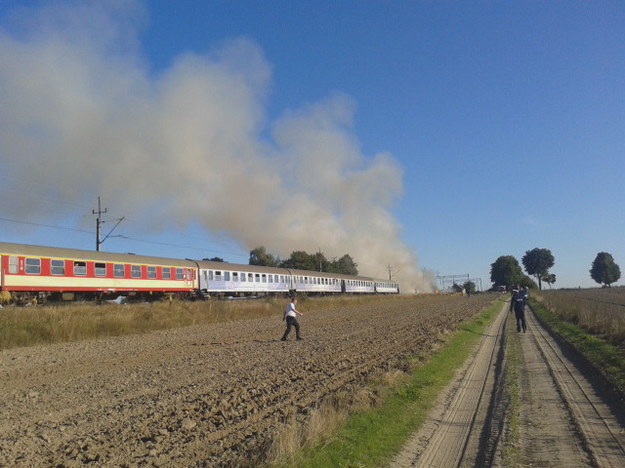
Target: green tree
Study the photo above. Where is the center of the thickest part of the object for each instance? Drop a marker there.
(259, 256)
(549, 279)
(506, 271)
(604, 270)
(469, 287)
(215, 259)
(344, 265)
(537, 263)
(300, 260)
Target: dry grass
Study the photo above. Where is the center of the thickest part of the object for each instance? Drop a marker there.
(41, 324)
(330, 415)
(599, 311)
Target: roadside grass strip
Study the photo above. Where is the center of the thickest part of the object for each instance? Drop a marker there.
(605, 357)
(371, 437)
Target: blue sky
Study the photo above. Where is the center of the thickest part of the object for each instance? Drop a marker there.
(473, 129)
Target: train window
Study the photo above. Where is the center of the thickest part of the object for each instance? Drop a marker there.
(80, 268)
(13, 264)
(211, 275)
(100, 269)
(226, 276)
(33, 266)
(263, 278)
(250, 277)
(57, 267)
(151, 272)
(179, 273)
(243, 277)
(166, 272)
(235, 276)
(135, 271)
(257, 277)
(270, 277)
(119, 270)
(218, 276)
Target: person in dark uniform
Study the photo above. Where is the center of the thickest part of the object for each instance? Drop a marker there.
(290, 315)
(519, 297)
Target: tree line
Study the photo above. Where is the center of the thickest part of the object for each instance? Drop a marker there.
(301, 260)
(506, 270)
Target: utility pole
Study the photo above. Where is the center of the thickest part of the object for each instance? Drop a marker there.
(98, 221)
(320, 269)
(391, 272)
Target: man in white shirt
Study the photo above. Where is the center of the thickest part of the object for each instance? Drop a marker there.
(290, 315)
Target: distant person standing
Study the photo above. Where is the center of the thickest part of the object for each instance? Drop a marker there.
(290, 315)
(519, 297)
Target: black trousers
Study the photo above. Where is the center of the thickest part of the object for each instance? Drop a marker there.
(291, 322)
(519, 314)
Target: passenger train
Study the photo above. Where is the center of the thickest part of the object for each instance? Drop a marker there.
(28, 271)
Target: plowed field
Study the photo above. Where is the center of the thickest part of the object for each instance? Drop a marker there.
(205, 395)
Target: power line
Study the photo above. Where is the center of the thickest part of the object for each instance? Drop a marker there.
(135, 239)
(45, 225)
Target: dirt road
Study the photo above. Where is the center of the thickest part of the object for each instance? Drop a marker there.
(565, 417)
(202, 396)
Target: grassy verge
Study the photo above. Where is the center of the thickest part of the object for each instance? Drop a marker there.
(371, 437)
(606, 357)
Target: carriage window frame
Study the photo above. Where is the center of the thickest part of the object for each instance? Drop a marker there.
(14, 264)
(79, 267)
(179, 273)
(135, 271)
(119, 270)
(32, 266)
(151, 270)
(99, 269)
(57, 267)
(166, 273)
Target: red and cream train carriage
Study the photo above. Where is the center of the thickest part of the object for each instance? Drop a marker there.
(34, 270)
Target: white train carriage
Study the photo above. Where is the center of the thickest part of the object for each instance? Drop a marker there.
(386, 287)
(359, 285)
(315, 282)
(235, 279)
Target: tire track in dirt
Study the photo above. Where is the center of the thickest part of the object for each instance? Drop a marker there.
(566, 420)
(453, 433)
(569, 423)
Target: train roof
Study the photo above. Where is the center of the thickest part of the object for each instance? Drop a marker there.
(92, 255)
(225, 266)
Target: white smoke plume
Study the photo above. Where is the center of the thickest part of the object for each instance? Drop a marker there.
(83, 115)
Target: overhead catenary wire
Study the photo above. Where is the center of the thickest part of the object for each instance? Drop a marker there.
(134, 239)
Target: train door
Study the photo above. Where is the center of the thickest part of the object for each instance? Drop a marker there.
(203, 280)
